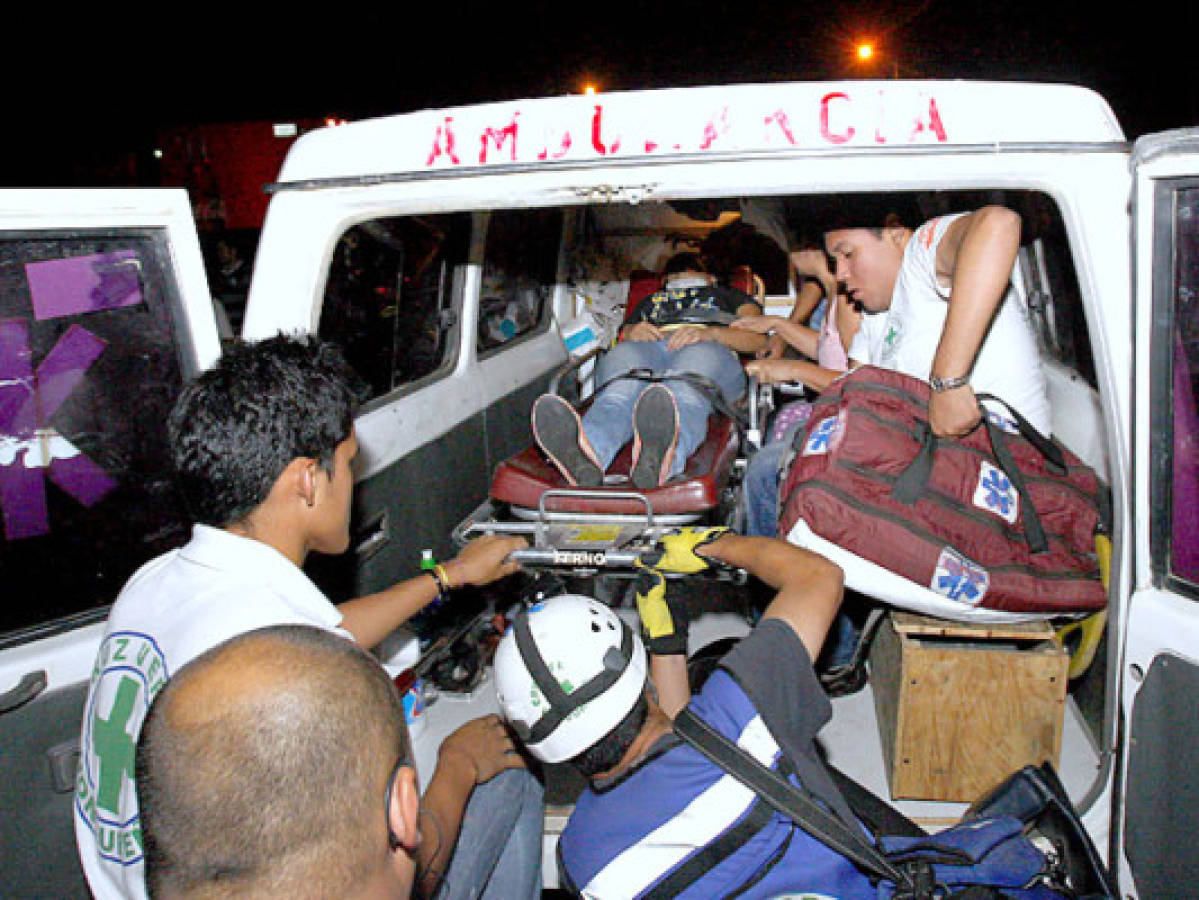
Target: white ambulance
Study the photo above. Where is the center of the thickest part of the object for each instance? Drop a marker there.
(451, 251)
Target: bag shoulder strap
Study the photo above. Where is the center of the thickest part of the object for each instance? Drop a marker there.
(1047, 448)
(790, 800)
(912, 480)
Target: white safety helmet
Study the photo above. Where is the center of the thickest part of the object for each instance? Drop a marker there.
(566, 673)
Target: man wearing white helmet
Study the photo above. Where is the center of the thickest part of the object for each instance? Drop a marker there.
(658, 819)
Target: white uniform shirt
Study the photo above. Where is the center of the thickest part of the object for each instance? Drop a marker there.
(174, 608)
(905, 337)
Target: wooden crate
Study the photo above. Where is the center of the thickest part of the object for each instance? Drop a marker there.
(960, 707)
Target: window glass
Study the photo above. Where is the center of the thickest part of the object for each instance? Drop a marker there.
(1184, 540)
(1054, 299)
(88, 373)
(520, 267)
(388, 299)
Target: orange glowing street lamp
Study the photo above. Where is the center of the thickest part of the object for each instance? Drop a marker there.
(866, 53)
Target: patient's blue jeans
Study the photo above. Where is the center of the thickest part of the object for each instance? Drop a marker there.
(608, 423)
(498, 855)
(761, 499)
(761, 486)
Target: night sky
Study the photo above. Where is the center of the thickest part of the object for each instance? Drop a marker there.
(99, 84)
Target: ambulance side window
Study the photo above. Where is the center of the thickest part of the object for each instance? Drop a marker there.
(520, 267)
(89, 369)
(389, 301)
(1183, 387)
(1054, 298)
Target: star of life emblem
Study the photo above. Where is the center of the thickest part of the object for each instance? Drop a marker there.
(821, 438)
(1004, 423)
(996, 494)
(959, 578)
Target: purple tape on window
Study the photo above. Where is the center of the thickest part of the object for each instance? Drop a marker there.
(31, 450)
(83, 284)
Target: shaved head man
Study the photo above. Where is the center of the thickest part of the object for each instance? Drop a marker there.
(278, 764)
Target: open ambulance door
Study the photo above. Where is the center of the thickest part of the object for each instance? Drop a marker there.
(1157, 799)
(104, 312)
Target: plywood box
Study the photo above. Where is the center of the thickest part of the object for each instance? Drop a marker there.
(960, 707)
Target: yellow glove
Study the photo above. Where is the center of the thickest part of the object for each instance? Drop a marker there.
(678, 550)
(665, 629)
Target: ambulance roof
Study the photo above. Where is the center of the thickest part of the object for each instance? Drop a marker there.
(850, 116)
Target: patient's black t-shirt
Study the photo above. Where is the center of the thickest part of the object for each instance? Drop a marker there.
(667, 306)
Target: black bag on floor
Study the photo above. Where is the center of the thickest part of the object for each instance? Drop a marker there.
(1036, 797)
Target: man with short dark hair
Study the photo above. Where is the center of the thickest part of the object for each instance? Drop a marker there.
(263, 444)
(939, 306)
(946, 311)
(278, 764)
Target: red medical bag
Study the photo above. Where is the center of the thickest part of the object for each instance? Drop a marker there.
(1002, 518)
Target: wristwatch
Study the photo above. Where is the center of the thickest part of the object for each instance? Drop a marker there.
(940, 385)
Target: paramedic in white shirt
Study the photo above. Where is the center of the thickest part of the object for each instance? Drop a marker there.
(262, 445)
(939, 306)
(945, 312)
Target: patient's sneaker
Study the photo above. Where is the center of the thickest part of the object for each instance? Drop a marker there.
(559, 434)
(655, 436)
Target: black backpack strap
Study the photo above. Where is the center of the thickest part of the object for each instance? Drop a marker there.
(757, 817)
(790, 800)
(911, 481)
(877, 814)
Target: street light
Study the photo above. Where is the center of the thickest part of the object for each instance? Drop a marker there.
(866, 53)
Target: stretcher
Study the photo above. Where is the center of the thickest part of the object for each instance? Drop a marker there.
(584, 531)
(608, 528)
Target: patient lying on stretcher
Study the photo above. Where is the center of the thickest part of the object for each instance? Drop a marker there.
(680, 330)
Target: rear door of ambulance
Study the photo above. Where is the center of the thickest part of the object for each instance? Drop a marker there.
(1157, 811)
(104, 310)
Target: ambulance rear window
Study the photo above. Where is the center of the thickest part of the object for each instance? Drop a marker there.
(88, 372)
